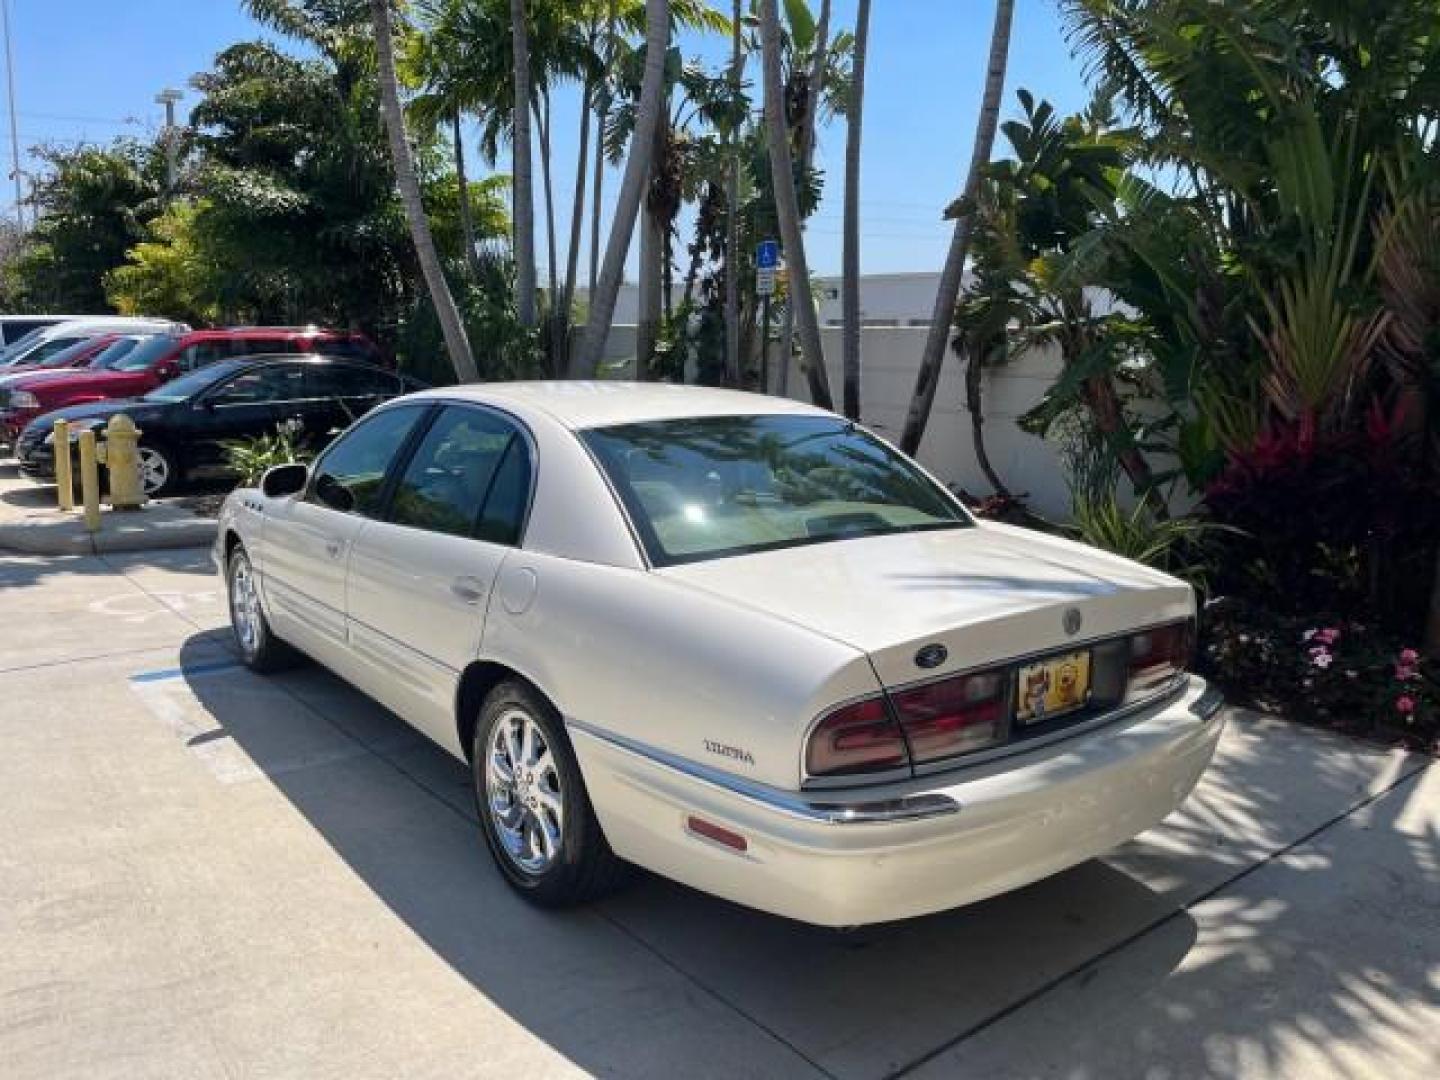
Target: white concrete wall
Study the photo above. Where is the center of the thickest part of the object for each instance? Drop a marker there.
(889, 358)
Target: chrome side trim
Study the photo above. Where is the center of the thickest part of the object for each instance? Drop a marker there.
(878, 812)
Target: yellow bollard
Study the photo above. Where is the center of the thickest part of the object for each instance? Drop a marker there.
(122, 463)
(64, 481)
(89, 480)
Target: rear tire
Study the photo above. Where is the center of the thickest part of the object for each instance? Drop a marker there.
(260, 649)
(159, 470)
(534, 810)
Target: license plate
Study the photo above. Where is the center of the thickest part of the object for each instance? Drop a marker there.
(1052, 687)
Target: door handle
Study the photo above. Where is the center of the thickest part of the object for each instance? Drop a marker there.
(470, 590)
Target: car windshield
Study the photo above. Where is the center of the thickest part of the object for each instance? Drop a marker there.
(710, 487)
(20, 345)
(113, 353)
(145, 354)
(187, 386)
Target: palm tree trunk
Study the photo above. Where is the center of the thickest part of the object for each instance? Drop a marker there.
(632, 188)
(467, 212)
(787, 207)
(552, 332)
(974, 403)
(732, 208)
(521, 179)
(948, 293)
(456, 343)
(816, 87)
(850, 271)
(650, 292)
(577, 212)
(602, 111)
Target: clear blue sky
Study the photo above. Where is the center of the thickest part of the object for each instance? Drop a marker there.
(89, 70)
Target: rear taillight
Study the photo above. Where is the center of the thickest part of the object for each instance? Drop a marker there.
(953, 716)
(1158, 655)
(856, 738)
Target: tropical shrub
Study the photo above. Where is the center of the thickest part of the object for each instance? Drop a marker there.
(250, 459)
(1339, 673)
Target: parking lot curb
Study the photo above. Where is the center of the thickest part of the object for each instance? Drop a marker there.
(143, 530)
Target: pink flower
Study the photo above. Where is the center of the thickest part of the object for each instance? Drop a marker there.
(1404, 672)
(1328, 636)
(1409, 657)
(1405, 704)
(1320, 658)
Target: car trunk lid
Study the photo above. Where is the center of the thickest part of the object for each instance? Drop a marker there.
(983, 595)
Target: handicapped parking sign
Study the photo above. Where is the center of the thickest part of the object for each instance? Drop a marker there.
(767, 254)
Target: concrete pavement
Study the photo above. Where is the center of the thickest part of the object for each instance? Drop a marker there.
(31, 522)
(204, 872)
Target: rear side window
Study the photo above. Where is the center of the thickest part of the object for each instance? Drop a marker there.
(455, 474)
(351, 381)
(350, 475)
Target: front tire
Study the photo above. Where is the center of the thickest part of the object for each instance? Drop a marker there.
(260, 649)
(534, 810)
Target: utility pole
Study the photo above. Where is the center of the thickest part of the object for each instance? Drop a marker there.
(168, 98)
(14, 126)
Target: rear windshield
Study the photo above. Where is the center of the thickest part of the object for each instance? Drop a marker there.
(715, 486)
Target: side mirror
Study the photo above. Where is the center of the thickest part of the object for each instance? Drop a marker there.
(284, 480)
(334, 494)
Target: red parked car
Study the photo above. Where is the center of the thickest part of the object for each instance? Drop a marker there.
(158, 360)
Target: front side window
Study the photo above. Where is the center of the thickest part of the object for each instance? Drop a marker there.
(350, 475)
(451, 477)
(709, 487)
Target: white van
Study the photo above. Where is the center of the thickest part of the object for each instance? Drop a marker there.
(48, 340)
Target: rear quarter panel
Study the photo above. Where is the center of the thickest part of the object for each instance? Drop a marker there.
(656, 662)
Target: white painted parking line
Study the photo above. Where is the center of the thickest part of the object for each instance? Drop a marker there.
(265, 734)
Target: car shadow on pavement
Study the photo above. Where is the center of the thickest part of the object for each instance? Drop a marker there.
(661, 980)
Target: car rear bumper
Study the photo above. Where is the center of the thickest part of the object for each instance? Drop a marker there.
(912, 849)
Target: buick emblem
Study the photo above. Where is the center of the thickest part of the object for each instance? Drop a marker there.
(1071, 621)
(931, 656)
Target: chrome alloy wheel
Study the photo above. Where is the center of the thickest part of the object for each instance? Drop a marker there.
(154, 469)
(244, 606)
(523, 794)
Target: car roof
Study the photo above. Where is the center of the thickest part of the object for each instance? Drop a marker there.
(266, 332)
(579, 405)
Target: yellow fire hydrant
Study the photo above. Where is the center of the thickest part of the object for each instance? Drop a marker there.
(122, 462)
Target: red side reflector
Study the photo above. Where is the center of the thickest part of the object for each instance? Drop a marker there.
(711, 831)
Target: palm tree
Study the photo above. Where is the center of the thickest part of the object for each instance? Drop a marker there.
(850, 284)
(732, 209)
(787, 208)
(632, 188)
(456, 341)
(951, 277)
(522, 179)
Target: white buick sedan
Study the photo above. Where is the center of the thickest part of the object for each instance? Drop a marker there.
(736, 640)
